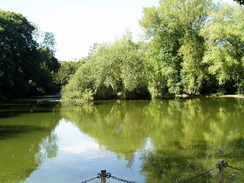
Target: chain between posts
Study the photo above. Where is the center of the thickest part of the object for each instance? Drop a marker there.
(122, 180)
(218, 165)
(226, 164)
(93, 178)
(104, 175)
(199, 175)
(107, 175)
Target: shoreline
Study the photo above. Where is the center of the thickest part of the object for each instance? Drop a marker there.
(57, 97)
(213, 95)
(232, 96)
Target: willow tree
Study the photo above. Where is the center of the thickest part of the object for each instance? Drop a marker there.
(176, 45)
(112, 70)
(224, 34)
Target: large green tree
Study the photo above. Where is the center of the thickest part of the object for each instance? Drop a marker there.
(224, 34)
(162, 54)
(21, 59)
(114, 70)
(176, 45)
(17, 54)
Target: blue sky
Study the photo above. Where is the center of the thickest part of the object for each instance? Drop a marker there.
(77, 24)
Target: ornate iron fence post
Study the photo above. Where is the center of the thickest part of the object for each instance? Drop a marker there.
(221, 170)
(103, 176)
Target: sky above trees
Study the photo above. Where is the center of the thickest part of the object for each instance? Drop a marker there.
(78, 24)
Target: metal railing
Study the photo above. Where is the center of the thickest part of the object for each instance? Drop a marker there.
(220, 165)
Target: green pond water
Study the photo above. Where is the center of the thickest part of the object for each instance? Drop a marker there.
(141, 141)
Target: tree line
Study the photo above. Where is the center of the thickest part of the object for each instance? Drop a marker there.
(26, 67)
(189, 46)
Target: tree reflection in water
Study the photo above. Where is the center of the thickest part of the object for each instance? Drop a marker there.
(187, 136)
(26, 139)
(175, 139)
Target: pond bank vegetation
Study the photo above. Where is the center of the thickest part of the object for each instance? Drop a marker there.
(191, 48)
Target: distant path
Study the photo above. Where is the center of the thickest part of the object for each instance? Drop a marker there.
(214, 95)
(233, 96)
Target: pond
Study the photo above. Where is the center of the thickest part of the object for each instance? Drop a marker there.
(141, 141)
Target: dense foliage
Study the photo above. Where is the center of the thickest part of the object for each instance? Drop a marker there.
(191, 46)
(195, 47)
(66, 71)
(176, 48)
(26, 68)
(224, 44)
(111, 71)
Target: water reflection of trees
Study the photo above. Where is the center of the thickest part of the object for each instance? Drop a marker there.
(118, 126)
(192, 135)
(26, 141)
(188, 136)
